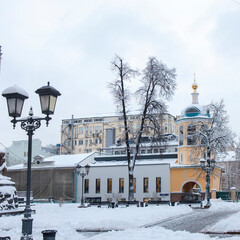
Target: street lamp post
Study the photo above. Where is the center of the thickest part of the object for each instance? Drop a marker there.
(15, 97)
(208, 166)
(82, 172)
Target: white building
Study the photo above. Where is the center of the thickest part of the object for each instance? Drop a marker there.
(108, 178)
(57, 177)
(17, 153)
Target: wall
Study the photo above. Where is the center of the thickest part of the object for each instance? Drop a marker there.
(58, 183)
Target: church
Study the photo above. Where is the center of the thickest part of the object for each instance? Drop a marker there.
(187, 173)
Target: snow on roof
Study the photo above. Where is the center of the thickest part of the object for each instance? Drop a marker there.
(60, 161)
(201, 112)
(148, 144)
(138, 162)
(198, 106)
(68, 160)
(15, 89)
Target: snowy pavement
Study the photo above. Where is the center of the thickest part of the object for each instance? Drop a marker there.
(67, 218)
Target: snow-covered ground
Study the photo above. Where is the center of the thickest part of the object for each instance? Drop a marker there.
(67, 218)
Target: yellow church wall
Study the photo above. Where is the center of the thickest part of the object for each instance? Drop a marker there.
(180, 176)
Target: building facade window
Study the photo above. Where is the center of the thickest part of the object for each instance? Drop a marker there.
(149, 151)
(109, 185)
(80, 130)
(204, 130)
(166, 127)
(191, 135)
(80, 142)
(121, 185)
(86, 185)
(143, 151)
(158, 184)
(120, 128)
(98, 185)
(162, 150)
(145, 185)
(155, 150)
(181, 135)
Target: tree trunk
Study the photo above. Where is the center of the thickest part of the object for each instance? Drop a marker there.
(131, 187)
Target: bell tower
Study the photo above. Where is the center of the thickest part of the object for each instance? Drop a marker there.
(191, 116)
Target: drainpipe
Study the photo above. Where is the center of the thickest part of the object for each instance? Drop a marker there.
(76, 186)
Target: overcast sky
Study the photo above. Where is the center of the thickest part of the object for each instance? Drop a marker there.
(72, 42)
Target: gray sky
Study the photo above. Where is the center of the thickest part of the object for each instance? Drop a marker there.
(72, 42)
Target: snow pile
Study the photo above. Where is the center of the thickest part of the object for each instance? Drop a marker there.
(8, 194)
(231, 223)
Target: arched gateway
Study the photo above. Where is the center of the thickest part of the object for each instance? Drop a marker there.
(190, 186)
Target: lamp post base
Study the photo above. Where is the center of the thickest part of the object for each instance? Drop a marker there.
(27, 229)
(82, 206)
(26, 238)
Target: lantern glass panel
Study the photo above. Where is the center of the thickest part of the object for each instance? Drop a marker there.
(19, 106)
(11, 106)
(44, 99)
(52, 104)
(15, 106)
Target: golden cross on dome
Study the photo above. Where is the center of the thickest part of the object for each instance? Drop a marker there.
(194, 85)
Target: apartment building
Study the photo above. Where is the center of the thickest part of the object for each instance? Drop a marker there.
(84, 135)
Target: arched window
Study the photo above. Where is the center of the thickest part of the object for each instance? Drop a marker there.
(181, 157)
(166, 127)
(191, 135)
(204, 134)
(192, 111)
(181, 135)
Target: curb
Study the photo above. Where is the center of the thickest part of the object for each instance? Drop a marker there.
(222, 233)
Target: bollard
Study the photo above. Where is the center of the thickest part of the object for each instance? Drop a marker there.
(233, 194)
(49, 234)
(214, 194)
(5, 238)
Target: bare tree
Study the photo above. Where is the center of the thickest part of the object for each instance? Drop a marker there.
(121, 96)
(158, 84)
(216, 136)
